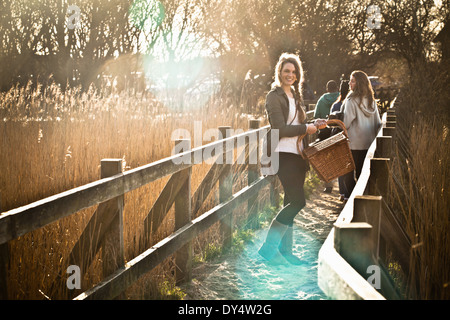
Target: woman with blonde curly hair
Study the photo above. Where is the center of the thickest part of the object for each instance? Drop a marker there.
(362, 120)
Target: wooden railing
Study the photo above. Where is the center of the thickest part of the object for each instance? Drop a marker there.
(107, 222)
(365, 230)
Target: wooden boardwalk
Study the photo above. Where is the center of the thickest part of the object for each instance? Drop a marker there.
(223, 277)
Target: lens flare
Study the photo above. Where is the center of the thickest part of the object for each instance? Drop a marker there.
(147, 15)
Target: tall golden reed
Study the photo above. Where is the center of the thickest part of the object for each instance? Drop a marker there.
(420, 181)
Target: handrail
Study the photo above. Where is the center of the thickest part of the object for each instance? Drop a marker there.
(114, 284)
(19, 221)
(337, 277)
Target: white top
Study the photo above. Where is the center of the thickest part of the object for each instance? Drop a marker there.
(289, 144)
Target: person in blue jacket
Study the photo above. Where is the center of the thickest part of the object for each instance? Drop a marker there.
(324, 103)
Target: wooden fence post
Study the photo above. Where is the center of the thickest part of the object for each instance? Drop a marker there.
(379, 177)
(226, 188)
(112, 244)
(353, 241)
(4, 264)
(391, 117)
(368, 209)
(389, 132)
(253, 150)
(384, 147)
(392, 233)
(183, 215)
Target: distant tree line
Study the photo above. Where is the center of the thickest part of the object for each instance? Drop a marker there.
(43, 38)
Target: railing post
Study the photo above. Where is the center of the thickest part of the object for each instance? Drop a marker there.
(112, 244)
(226, 188)
(183, 215)
(391, 117)
(353, 241)
(379, 177)
(4, 262)
(253, 165)
(389, 132)
(368, 209)
(384, 147)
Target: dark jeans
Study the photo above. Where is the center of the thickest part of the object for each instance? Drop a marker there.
(342, 188)
(292, 172)
(351, 177)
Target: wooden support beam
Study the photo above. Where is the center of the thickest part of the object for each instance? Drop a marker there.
(252, 148)
(389, 132)
(206, 186)
(392, 232)
(112, 286)
(183, 216)
(368, 209)
(226, 189)
(390, 124)
(162, 205)
(112, 242)
(379, 179)
(353, 241)
(391, 117)
(384, 147)
(104, 230)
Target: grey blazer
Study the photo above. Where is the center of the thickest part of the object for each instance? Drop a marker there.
(277, 108)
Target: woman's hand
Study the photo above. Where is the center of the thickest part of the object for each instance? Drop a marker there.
(320, 123)
(311, 128)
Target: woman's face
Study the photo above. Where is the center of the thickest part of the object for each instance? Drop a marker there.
(352, 83)
(288, 76)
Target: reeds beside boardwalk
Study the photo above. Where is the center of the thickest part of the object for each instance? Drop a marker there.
(420, 181)
(53, 140)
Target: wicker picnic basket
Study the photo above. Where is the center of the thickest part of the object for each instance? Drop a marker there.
(332, 157)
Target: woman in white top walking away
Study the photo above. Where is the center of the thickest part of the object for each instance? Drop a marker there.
(283, 106)
(362, 120)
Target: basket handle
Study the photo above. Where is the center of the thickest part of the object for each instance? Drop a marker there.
(329, 122)
(340, 124)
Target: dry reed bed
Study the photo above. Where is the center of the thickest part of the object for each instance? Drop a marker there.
(420, 183)
(52, 141)
(423, 203)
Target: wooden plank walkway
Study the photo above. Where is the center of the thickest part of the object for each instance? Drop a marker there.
(225, 277)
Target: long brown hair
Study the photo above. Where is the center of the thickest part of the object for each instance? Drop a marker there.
(295, 60)
(363, 88)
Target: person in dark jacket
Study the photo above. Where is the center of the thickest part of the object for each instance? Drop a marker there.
(286, 114)
(325, 102)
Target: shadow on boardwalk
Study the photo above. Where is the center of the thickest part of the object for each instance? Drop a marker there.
(248, 276)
